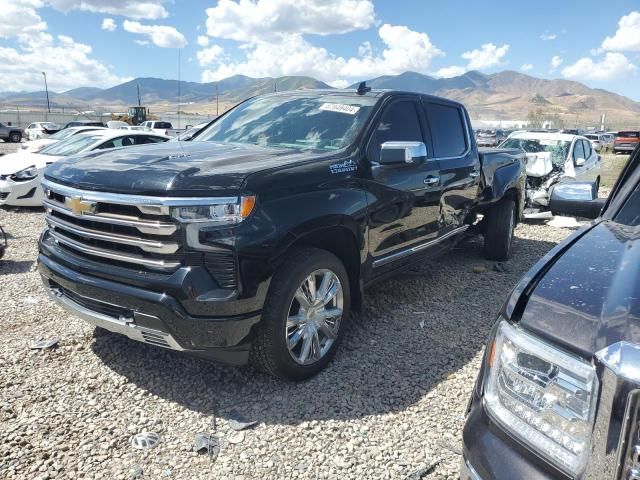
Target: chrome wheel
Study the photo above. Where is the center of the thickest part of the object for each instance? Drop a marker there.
(313, 321)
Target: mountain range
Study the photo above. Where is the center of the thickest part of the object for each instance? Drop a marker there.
(506, 95)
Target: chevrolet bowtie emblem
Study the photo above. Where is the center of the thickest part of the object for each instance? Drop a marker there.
(79, 206)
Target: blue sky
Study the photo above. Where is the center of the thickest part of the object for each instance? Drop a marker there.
(103, 42)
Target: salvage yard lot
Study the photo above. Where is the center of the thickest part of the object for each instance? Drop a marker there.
(390, 404)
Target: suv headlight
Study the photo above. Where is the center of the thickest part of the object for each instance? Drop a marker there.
(28, 173)
(224, 212)
(542, 395)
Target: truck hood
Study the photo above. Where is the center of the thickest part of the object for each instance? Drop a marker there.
(590, 297)
(171, 168)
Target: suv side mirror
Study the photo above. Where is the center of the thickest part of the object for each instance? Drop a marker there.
(580, 162)
(402, 152)
(576, 199)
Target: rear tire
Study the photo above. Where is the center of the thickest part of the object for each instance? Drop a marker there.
(285, 320)
(499, 224)
(15, 137)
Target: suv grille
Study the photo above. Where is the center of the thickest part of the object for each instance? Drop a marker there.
(126, 229)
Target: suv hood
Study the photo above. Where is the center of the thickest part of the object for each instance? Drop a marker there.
(590, 297)
(176, 168)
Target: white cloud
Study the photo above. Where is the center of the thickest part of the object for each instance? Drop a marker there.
(161, 35)
(68, 64)
(627, 37)
(486, 56)
(339, 83)
(527, 67)
(268, 20)
(548, 36)
(149, 9)
(556, 61)
(210, 56)
(203, 40)
(19, 17)
(109, 24)
(614, 66)
(404, 50)
(452, 71)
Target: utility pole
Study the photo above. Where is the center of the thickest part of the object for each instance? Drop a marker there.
(179, 87)
(139, 104)
(217, 104)
(46, 89)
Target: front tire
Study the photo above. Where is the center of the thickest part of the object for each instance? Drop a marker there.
(15, 137)
(499, 224)
(304, 316)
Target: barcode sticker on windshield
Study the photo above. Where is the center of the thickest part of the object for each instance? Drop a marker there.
(339, 108)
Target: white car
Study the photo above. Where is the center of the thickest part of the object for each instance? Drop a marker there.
(158, 126)
(598, 142)
(137, 128)
(37, 130)
(33, 146)
(116, 124)
(21, 173)
(553, 158)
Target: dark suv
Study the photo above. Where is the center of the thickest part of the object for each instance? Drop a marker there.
(256, 239)
(558, 394)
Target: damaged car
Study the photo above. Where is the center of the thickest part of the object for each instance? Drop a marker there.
(553, 158)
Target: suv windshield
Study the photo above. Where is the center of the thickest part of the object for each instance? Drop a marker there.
(559, 148)
(75, 144)
(313, 122)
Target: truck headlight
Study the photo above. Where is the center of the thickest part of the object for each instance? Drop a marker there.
(225, 212)
(25, 174)
(542, 395)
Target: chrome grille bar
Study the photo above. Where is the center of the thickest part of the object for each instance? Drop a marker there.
(146, 245)
(144, 226)
(114, 255)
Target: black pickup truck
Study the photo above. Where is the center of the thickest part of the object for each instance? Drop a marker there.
(558, 394)
(255, 241)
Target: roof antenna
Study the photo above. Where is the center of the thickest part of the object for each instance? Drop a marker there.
(362, 88)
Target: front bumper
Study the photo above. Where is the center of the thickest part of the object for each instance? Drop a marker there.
(490, 453)
(149, 316)
(21, 194)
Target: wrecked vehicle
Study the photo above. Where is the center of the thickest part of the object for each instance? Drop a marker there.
(553, 158)
(255, 240)
(558, 392)
(489, 138)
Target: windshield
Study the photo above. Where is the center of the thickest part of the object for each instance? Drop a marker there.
(628, 134)
(592, 137)
(559, 148)
(313, 122)
(75, 144)
(62, 134)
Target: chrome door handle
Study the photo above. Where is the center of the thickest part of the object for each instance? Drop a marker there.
(431, 180)
(474, 174)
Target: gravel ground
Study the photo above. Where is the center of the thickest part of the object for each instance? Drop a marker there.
(390, 404)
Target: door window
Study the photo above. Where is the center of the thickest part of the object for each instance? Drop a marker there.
(587, 149)
(117, 142)
(399, 123)
(144, 139)
(578, 151)
(447, 130)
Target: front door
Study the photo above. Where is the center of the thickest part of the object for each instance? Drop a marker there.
(403, 210)
(458, 161)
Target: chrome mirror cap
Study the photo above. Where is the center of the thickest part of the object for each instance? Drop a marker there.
(402, 152)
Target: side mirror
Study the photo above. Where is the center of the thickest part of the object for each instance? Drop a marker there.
(580, 162)
(576, 199)
(402, 152)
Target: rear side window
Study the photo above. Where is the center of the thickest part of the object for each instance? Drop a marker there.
(578, 151)
(447, 130)
(587, 149)
(143, 139)
(630, 213)
(163, 125)
(399, 122)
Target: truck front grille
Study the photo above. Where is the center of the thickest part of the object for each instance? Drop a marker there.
(131, 230)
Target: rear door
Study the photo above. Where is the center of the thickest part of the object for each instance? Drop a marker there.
(404, 210)
(457, 157)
